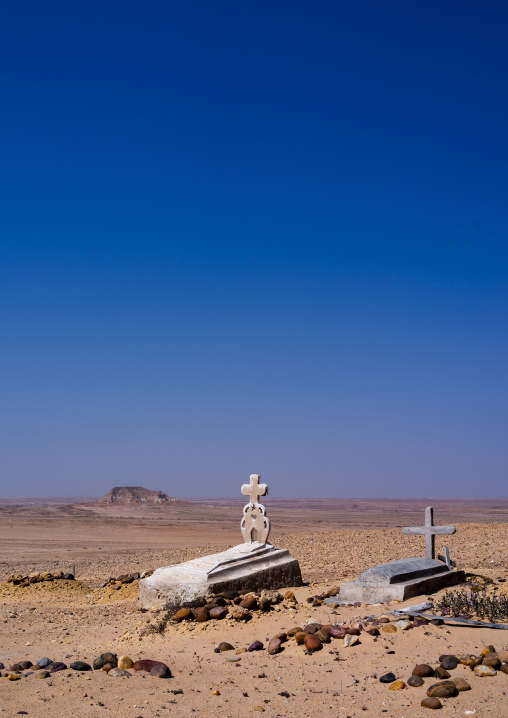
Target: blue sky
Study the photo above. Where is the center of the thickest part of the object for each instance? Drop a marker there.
(257, 237)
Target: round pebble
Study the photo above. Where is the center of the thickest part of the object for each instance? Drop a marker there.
(312, 642)
(256, 646)
(274, 646)
(224, 646)
(415, 681)
(432, 703)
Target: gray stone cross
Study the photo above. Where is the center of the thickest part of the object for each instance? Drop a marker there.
(429, 531)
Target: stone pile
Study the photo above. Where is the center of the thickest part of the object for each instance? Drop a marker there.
(107, 662)
(115, 583)
(38, 577)
(233, 604)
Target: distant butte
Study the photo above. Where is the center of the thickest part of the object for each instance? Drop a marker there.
(136, 495)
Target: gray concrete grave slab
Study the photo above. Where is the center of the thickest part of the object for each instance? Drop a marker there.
(405, 578)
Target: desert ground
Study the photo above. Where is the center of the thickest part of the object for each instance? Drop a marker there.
(333, 539)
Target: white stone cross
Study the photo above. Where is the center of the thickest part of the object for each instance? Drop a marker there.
(254, 490)
(254, 514)
(429, 531)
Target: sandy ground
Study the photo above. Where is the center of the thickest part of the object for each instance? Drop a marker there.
(79, 620)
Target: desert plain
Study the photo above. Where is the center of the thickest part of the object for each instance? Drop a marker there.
(334, 541)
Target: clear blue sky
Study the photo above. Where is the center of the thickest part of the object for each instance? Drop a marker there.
(254, 237)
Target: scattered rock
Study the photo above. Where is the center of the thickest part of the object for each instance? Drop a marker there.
(293, 631)
(432, 703)
(239, 613)
(146, 664)
(42, 674)
(103, 659)
(201, 614)
(350, 639)
(353, 631)
(323, 635)
(461, 684)
(224, 646)
(449, 663)
(274, 646)
(484, 671)
(56, 666)
(423, 670)
(125, 662)
(404, 625)
(218, 613)
(183, 614)
(388, 678)
(397, 686)
(492, 661)
(282, 636)
(389, 628)
(312, 642)
(13, 676)
(415, 681)
(441, 673)
(337, 631)
(445, 689)
(256, 646)
(161, 670)
(81, 666)
(250, 603)
(119, 673)
(311, 628)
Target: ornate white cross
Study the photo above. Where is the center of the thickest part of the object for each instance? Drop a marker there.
(254, 490)
(254, 513)
(429, 531)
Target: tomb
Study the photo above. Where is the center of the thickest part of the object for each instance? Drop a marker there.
(405, 578)
(252, 565)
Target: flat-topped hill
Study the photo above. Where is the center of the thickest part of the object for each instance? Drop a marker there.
(136, 495)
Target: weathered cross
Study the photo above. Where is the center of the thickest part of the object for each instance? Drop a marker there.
(254, 490)
(429, 531)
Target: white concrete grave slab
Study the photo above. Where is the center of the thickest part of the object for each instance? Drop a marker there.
(252, 565)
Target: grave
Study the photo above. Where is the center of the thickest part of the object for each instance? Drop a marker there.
(249, 566)
(405, 578)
